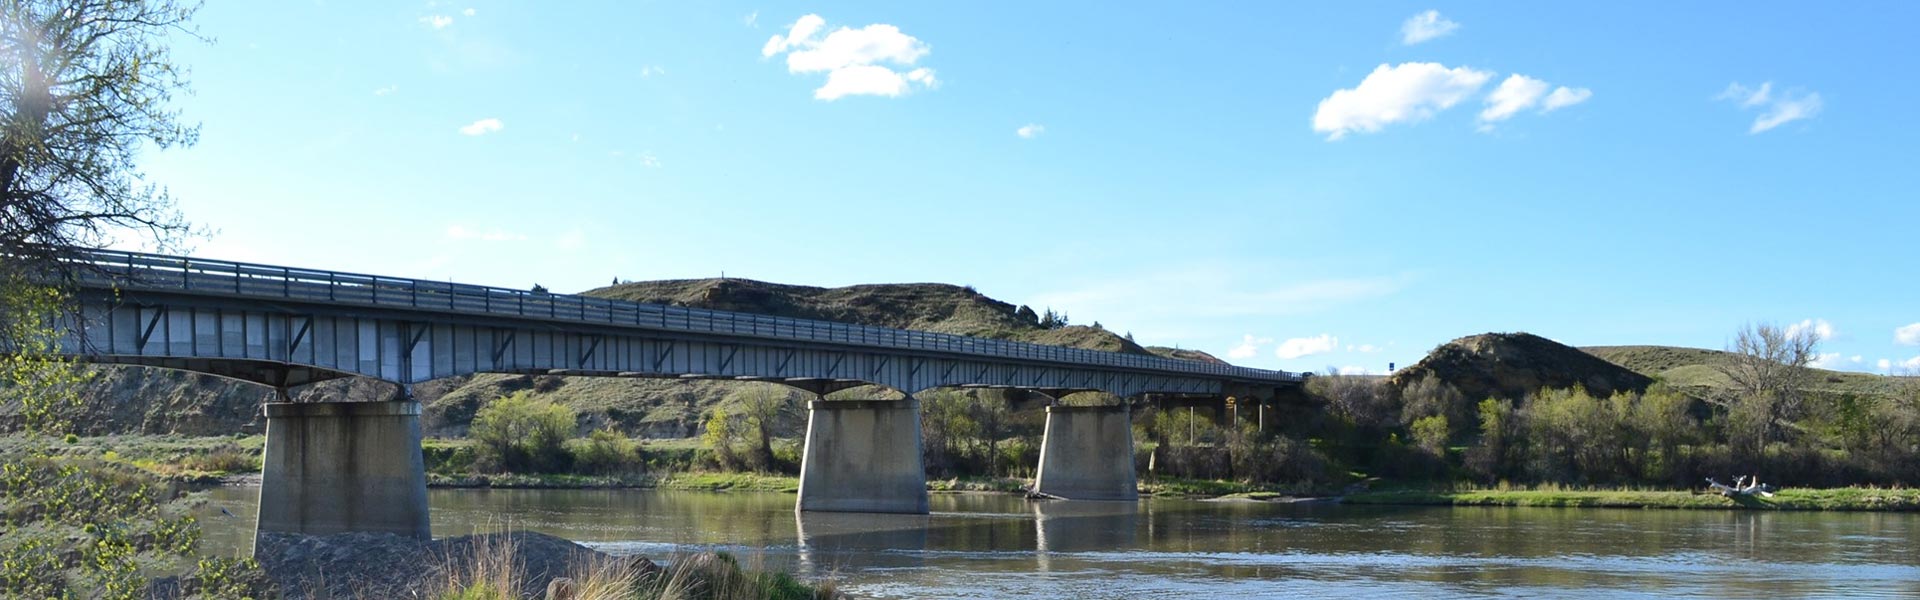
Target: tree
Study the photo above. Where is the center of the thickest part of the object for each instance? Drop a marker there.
(1768, 374)
(1491, 456)
(764, 405)
(1358, 398)
(1428, 396)
(86, 84)
(520, 433)
(947, 425)
(1053, 320)
(991, 413)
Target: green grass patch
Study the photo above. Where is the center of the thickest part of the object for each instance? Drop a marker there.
(723, 482)
(1209, 488)
(1838, 499)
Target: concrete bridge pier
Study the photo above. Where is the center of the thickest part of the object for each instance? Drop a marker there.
(333, 467)
(863, 456)
(1087, 454)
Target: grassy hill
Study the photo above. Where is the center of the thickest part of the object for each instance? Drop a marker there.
(935, 307)
(1696, 371)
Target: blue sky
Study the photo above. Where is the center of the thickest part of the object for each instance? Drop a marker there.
(1293, 186)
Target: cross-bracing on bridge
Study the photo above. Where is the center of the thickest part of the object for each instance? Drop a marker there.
(284, 327)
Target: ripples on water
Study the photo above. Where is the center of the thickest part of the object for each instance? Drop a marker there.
(985, 546)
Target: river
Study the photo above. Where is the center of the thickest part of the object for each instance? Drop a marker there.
(1000, 546)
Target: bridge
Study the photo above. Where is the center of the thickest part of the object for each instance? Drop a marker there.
(357, 466)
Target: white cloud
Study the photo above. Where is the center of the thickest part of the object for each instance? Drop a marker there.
(1519, 92)
(1907, 335)
(1820, 328)
(1249, 347)
(571, 240)
(854, 59)
(461, 232)
(652, 70)
(801, 31)
(1030, 130)
(923, 76)
(468, 12)
(848, 47)
(1426, 26)
(1910, 367)
(1775, 110)
(648, 160)
(1747, 97)
(1306, 346)
(861, 80)
(752, 19)
(1408, 92)
(1563, 97)
(386, 90)
(483, 126)
(437, 21)
(1363, 348)
(1354, 370)
(1827, 360)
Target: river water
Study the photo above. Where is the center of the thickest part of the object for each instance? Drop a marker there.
(999, 546)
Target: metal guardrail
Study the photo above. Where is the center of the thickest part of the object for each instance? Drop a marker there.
(154, 272)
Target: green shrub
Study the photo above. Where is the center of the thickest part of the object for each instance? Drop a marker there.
(226, 458)
(519, 433)
(606, 452)
(446, 458)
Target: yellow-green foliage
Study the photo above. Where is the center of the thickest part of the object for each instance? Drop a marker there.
(604, 452)
(31, 376)
(520, 433)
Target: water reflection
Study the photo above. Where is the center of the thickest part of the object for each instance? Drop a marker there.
(996, 546)
(832, 542)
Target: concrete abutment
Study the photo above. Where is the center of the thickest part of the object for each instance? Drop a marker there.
(333, 467)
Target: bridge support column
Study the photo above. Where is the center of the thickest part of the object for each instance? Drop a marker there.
(336, 467)
(863, 456)
(1087, 454)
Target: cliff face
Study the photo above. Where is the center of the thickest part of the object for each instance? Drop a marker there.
(155, 401)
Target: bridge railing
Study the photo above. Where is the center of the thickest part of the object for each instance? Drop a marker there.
(140, 271)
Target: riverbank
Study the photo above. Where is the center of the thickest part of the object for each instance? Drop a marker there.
(235, 461)
(1797, 499)
(521, 564)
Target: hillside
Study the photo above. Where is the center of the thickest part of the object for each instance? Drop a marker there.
(933, 307)
(1696, 370)
(1512, 365)
(154, 401)
(1185, 354)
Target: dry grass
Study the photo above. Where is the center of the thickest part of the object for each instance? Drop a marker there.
(492, 571)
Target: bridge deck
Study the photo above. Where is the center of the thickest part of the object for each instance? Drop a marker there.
(202, 277)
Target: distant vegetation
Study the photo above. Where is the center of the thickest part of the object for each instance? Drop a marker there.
(1758, 410)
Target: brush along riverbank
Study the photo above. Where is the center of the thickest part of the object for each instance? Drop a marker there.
(1831, 499)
